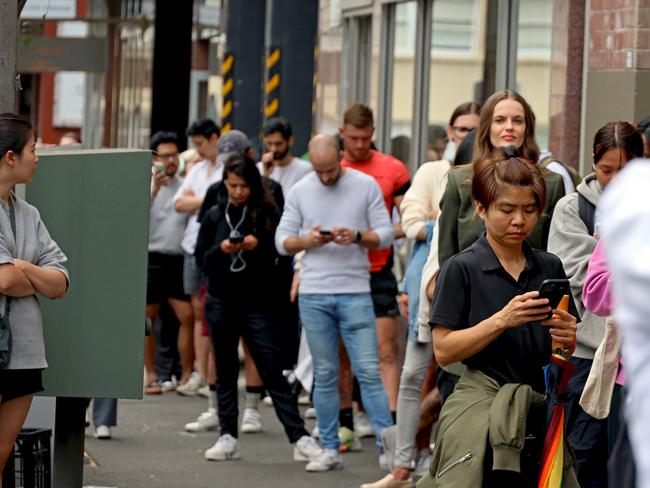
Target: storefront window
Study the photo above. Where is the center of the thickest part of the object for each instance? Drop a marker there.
(457, 58)
(534, 61)
(403, 65)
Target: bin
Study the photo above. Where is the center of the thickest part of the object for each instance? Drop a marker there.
(32, 459)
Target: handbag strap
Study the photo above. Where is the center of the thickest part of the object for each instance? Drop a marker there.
(12, 218)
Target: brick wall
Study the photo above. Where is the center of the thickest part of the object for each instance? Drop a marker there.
(619, 34)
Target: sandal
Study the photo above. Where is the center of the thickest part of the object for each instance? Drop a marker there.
(152, 388)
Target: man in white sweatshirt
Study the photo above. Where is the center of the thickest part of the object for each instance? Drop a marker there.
(330, 214)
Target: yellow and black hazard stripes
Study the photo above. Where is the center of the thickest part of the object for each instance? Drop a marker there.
(227, 70)
(272, 88)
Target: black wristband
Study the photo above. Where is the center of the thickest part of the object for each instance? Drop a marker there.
(357, 238)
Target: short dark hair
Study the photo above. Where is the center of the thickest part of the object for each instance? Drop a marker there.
(358, 115)
(203, 127)
(15, 132)
(163, 137)
(280, 125)
(618, 135)
(491, 177)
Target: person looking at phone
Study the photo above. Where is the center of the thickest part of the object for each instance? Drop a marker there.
(165, 263)
(278, 163)
(487, 314)
(236, 253)
(572, 239)
(334, 295)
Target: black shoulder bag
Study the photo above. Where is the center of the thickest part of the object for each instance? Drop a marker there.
(5, 328)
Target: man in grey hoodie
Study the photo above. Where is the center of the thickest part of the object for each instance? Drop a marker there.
(571, 238)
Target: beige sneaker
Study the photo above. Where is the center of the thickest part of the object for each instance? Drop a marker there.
(191, 388)
(389, 482)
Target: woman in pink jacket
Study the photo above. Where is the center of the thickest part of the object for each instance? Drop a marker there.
(597, 297)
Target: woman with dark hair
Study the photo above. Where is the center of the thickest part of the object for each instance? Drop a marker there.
(31, 263)
(488, 315)
(236, 252)
(419, 213)
(572, 239)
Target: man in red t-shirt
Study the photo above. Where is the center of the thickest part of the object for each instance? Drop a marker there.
(394, 180)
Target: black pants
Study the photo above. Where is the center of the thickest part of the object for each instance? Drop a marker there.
(227, 321)
(167, 358)
(587, 435)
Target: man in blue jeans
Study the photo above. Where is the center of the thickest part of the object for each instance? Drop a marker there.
(336, 214)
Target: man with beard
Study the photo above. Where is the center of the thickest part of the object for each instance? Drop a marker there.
(336, 215)
(278, 163)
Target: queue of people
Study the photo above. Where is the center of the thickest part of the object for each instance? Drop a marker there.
(489, 227)
(287, 255)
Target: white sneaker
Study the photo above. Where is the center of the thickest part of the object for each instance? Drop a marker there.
(304, 400)
(268, 401)
(315, 433)
(328, 460)
(422, 463)
(251, 421)
(103, 432)
(207, 421)
(310, 413)
(306, 449)
(191, 388)
(389, 440)
(362, 425)
(227, 447)
(383, 462)
(204, 391)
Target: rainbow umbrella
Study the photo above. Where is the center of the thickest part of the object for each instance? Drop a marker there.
(558, 373)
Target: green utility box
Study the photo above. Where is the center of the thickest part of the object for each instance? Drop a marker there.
(96, 206)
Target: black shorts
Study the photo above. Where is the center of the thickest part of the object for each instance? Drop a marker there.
(383, 289)
(165, 278)
(16, 383)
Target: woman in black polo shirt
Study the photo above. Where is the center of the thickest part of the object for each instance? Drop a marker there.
(486, 314)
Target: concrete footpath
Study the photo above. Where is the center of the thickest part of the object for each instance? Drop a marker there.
(150, 449)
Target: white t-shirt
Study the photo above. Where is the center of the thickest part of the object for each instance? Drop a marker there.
(199, 180)
(290, 174)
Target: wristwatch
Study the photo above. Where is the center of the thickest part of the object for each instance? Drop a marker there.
(357, 237)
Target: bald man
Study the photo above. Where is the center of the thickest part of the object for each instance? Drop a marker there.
(336, 214)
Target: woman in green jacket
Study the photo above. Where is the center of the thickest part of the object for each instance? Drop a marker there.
(487, 314)
(506, 120)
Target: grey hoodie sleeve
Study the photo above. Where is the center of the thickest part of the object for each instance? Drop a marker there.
(570, 241)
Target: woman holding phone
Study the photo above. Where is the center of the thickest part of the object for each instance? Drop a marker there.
(487, 314)
(235, 250)
(31, 263)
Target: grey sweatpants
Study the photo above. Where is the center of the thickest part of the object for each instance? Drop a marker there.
(416, 363)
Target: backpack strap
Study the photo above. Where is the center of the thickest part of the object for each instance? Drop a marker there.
(587, 212)
(12, 218)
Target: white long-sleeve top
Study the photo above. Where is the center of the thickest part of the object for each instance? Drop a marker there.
(423, 197)
(354, 201)
(625, 214)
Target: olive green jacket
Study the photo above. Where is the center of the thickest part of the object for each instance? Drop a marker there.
(460, 225)
(481, 415)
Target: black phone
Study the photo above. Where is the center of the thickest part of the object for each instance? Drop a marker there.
(554, 290)
(325, 232)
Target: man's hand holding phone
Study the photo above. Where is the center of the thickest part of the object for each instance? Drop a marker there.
(317, 237)
(343, 235)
